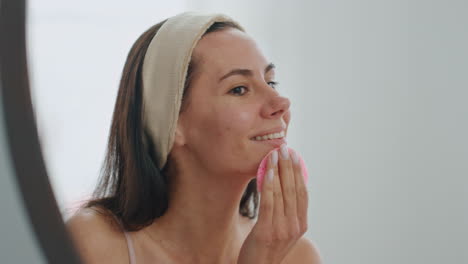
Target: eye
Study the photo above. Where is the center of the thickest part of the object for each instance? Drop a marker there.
(273, 84)
(238, 90)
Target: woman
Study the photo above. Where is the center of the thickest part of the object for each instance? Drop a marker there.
(195, 99)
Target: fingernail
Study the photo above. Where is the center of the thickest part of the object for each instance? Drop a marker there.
(294, 157)
(284, 152)
(270, 174)
(274, 157)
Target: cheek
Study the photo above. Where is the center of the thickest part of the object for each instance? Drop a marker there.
(245, 117)
(236, 123)
(223, 135)
(238, 149)
(233, 129)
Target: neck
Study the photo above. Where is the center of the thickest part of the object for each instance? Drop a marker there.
(203, 222)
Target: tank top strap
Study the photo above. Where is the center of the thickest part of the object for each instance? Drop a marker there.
(131, 250)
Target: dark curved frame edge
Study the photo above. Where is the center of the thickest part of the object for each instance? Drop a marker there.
(23, 140)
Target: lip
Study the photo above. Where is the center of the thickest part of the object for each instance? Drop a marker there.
(270, 131)
(276, 143)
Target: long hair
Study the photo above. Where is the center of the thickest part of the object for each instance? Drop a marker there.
(130, 185)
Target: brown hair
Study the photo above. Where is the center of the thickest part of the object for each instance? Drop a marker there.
(130, 185)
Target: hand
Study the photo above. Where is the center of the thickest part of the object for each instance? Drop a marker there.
(282, 218)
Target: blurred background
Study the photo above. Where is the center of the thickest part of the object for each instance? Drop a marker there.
(379, 93)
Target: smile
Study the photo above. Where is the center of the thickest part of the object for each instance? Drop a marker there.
(269, 136)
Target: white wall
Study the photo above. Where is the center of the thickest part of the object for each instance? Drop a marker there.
(379, 91)
(77, 51)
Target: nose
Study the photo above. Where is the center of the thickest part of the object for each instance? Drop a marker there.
(276, 107)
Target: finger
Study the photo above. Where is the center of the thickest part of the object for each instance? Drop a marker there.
(278, 208)
(302, 198)
(265, 214)
(288, 184)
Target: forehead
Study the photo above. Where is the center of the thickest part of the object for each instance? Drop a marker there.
(230, 48)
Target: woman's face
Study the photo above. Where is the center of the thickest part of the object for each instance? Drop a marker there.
(226, 111)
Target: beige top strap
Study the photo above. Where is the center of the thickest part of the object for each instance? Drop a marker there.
(131, 250)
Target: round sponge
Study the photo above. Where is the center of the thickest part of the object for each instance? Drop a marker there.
(263, 167)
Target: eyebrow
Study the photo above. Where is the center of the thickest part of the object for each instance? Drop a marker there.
(246, 72)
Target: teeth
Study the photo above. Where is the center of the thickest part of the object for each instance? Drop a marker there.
(270, 136)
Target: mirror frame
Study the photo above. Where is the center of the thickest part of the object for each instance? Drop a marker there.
(22, 138)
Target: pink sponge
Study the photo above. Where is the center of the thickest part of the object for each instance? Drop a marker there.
(263, 167)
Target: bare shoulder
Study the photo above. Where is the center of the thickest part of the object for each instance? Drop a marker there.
(97, 237)
(303, 252)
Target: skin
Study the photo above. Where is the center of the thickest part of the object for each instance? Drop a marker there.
(212, 161)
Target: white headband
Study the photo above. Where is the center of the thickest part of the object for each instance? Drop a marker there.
(164, 72)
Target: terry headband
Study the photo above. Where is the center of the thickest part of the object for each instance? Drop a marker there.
(164, 72)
